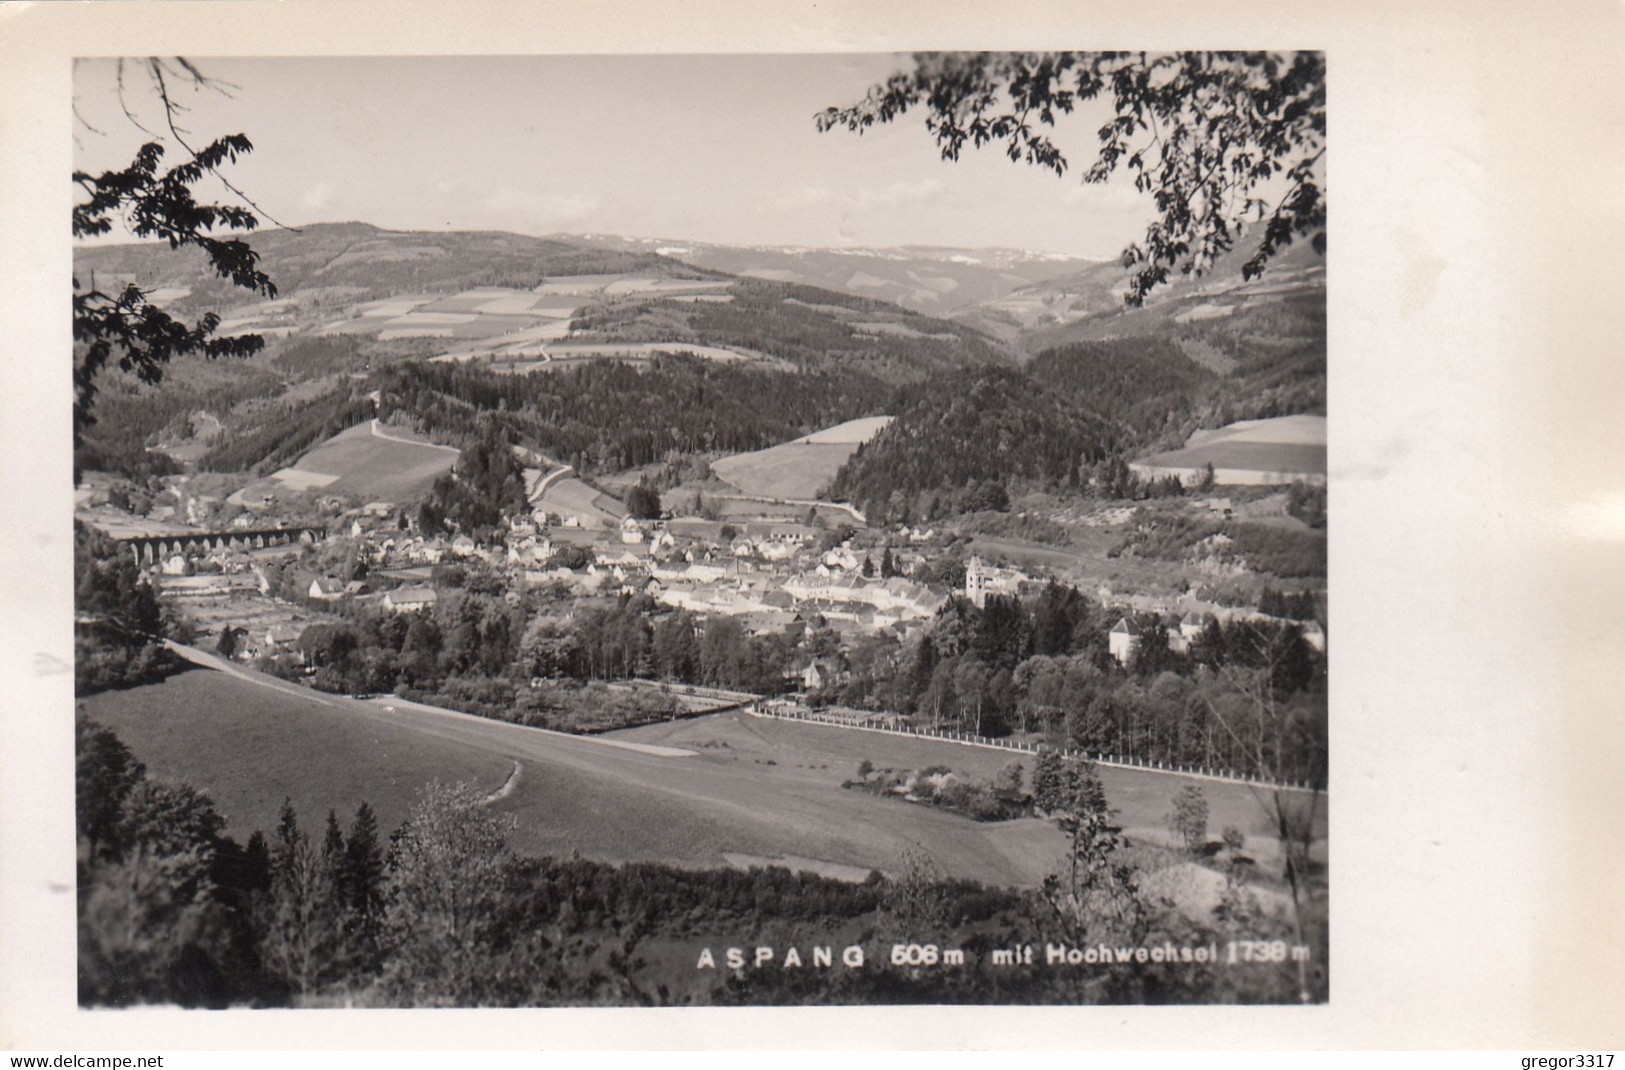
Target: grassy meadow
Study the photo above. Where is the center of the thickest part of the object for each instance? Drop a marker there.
(365, 465)
(801, 468)
(747, 790)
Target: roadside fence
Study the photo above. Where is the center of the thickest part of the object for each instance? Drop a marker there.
(778, 711)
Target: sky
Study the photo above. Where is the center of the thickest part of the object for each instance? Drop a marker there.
(688, 148)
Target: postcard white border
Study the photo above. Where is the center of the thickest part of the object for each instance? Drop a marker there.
(1476, 166)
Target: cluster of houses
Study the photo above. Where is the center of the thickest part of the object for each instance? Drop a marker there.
(841, 598)
(284, 636)
(405, 599)
(767, 575)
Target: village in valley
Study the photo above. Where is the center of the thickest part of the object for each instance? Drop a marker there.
(771, 575)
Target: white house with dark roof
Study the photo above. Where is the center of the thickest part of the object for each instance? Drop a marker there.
(282, 636)
(816, 675)
(1121, 641)
(1190, 627)
(325, 589)
(411, 599)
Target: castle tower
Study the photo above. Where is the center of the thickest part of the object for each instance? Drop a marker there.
(976, 580)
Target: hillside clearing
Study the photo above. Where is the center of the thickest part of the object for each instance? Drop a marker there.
(365, 461)
(572, 497)
(1276, 450)
(852, 432)
(798, 469)
(793, 470)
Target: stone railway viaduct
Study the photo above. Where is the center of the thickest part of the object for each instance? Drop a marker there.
(151, 549)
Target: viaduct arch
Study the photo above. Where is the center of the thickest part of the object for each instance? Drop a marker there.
(151, 549)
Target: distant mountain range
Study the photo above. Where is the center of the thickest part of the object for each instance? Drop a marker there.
(1029, 301)
(354, 300)
(1087, 304)
(339, 263)
(487, 295)
(936, 281)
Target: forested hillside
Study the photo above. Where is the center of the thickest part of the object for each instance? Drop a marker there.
(809, 327)
(957, 436)
(971, 428)
(1271, 352)
(1148, 386)
(609, 415)
(1048, 426)
(1077, 412)
(1087, 304)
(280, 429)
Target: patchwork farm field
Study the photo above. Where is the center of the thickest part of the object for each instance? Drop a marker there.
(798, 469)
(578, 351)
(366, 461)
(503, 323)
(577, 285)
(731, 789)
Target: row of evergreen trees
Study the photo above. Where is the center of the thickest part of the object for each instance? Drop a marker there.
(1247, 697)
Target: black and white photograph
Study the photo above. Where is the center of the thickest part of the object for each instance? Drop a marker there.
(829, 522)
(548, 556)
